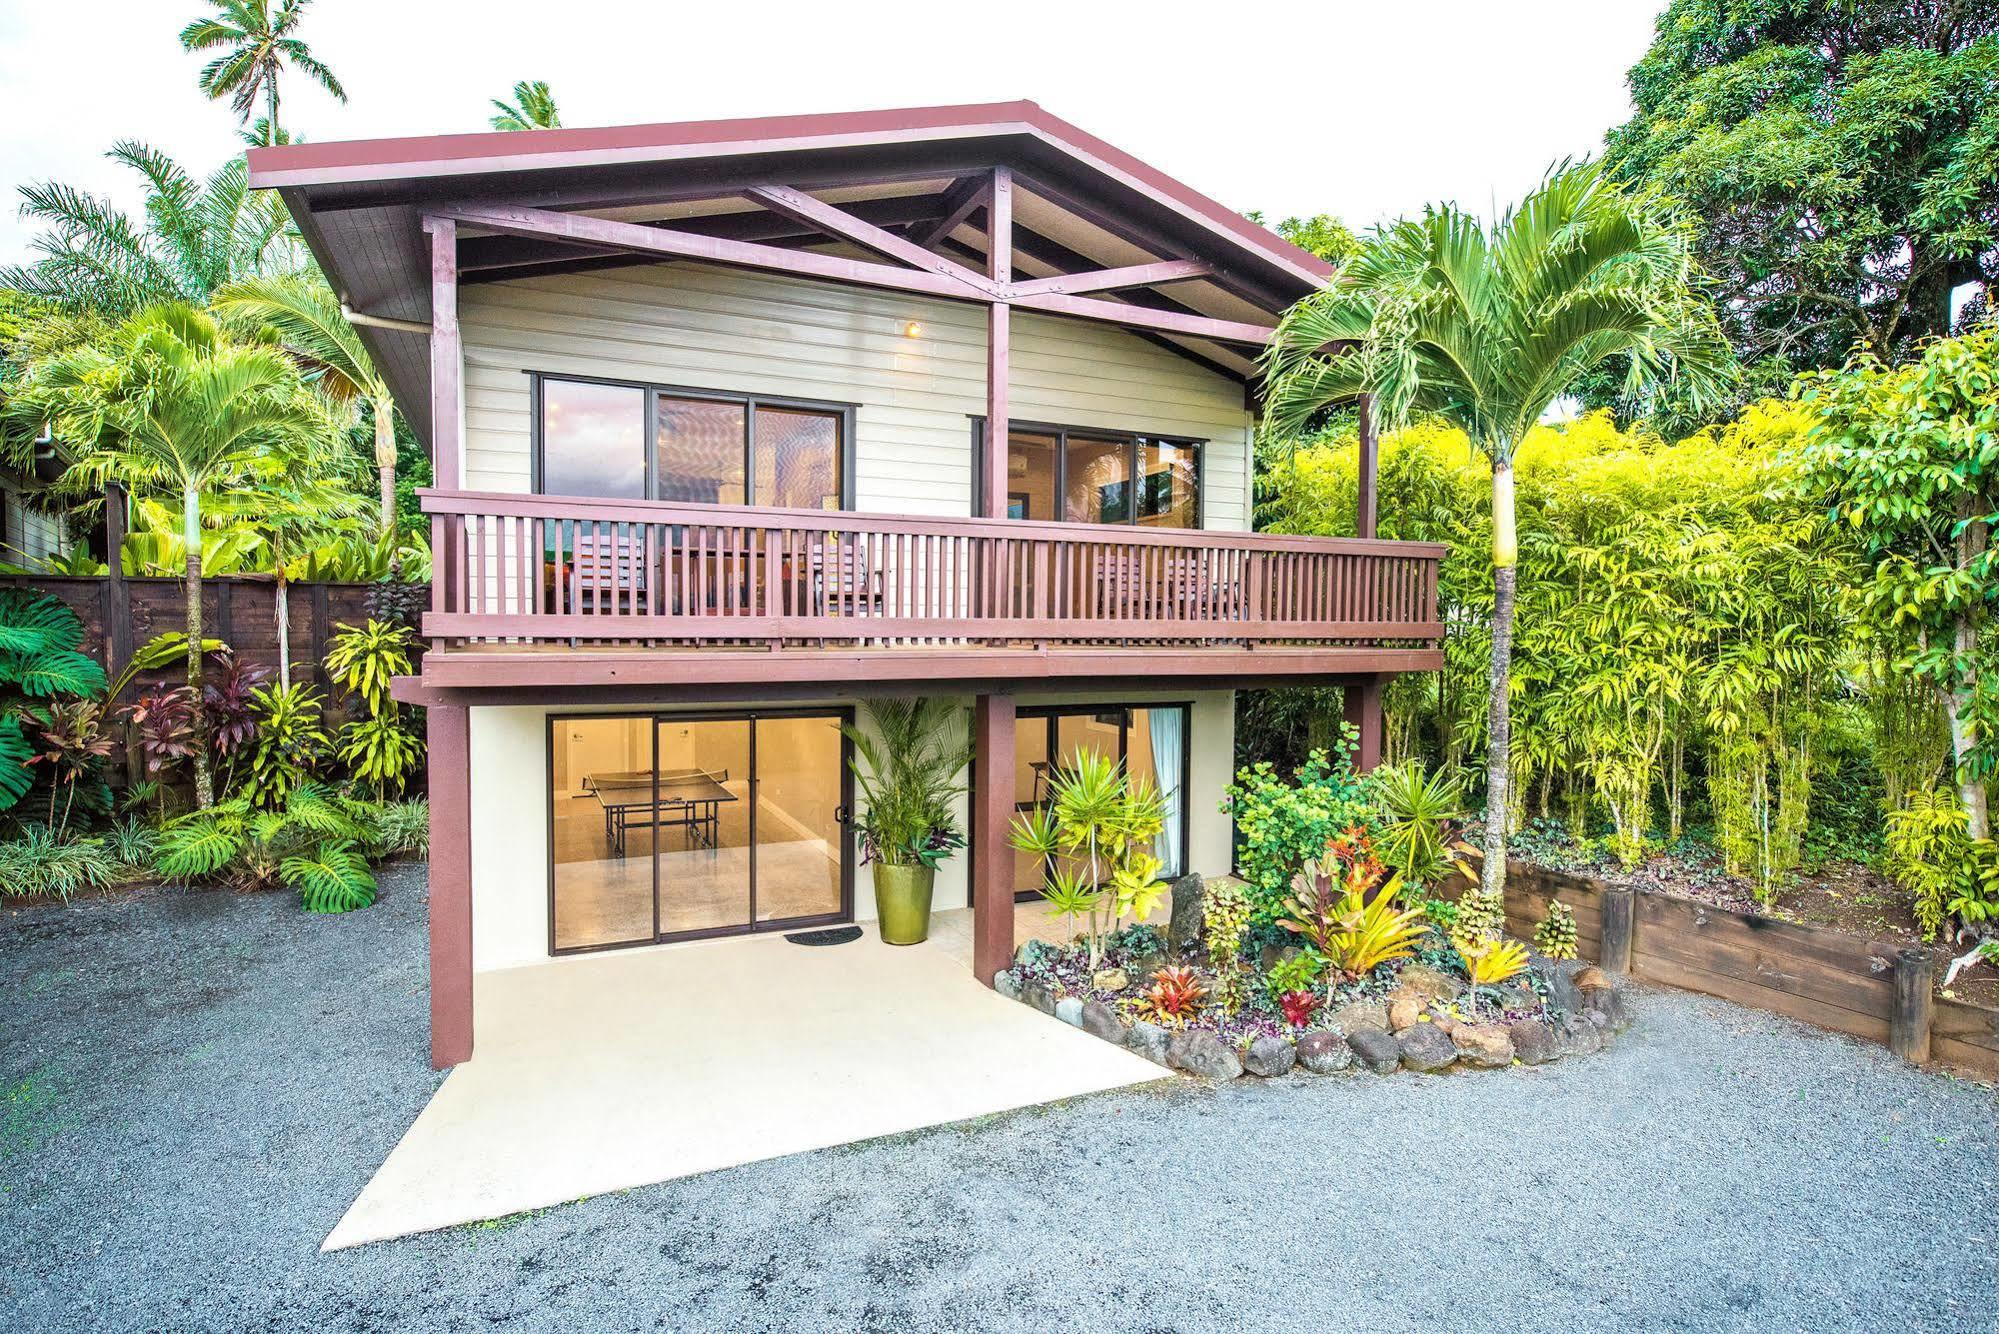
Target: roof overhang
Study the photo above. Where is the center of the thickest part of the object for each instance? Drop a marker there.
(1082, 204)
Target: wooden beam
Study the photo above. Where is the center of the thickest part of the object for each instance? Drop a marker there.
(999, 339)
(1105, 280)
(992, 817)
(961, 201)
(1140, 317)
(585, 230)
(802, 207)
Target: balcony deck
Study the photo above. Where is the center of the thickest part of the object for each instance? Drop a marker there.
(553, 591)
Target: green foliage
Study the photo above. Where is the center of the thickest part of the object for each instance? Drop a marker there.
(365, 660)
(533, 108)
(291, 742)
(1841, 161)
(41, 648)
(1094, 839)
(1224, 919)
(256, 41)
(1556, 935)
(316, 843)
(1930, 855)
(42, 863)
(42, 662)
(404, 827)
(907, 762)
(1481, 915)
(1418, 809)
(1330, 906)
(1284, 826)
(380, 752)
(1298, 972)
(1322, 234)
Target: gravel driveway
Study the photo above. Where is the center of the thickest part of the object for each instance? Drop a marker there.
(193, 1086)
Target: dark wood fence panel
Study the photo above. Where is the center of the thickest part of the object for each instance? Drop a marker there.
(1817, 976)
(120, 615)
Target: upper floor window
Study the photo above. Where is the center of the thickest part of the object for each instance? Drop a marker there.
(1083, 476)
(635, 441)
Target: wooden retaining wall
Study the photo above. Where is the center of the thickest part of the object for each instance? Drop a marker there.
(1828, 978)
(120, 615)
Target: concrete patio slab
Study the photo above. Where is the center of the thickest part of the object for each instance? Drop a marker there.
(597, 1073)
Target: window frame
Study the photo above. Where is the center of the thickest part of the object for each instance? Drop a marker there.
(1133, 441)
(653, 392)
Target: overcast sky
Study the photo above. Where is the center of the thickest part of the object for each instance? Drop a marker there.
(1363, 110)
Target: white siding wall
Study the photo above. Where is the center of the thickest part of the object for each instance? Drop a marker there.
(28, 534)
(724, 329)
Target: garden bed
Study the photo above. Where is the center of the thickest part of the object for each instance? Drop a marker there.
(1834, 979)
(1408, 1014)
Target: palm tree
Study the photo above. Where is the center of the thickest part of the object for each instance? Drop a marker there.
(193, 237)
(533, 108)
(169, 404)
(305, 315)
(1486, 328)
(255, 46)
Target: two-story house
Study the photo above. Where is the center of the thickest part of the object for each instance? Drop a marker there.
(713, 412)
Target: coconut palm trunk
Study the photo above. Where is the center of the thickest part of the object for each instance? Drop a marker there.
(204, 790)
(1499, 705)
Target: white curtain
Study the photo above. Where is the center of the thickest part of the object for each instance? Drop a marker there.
(1169, 751)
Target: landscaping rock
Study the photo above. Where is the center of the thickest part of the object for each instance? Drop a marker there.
(1035, 992)
(1183, 930)
(1100, 1022)
(1143, 966)
(1199, 1052)
(1558, 976)
(1533, 1041)
(1483, 1044)
(1070, 1011)
(1607, 1004)
(1513, 996)
(1430, 983)
(1576, 1036)
(1110, 979)
(1149, 1041)
(1425, 1048)
(1273, 954)
(1006, 984)
(1405, 1009)
(1359, 1014)
(1375, 1048)
(1269, 1057)
(1324, 1053)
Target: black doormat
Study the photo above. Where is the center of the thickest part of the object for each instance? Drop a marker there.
(838, 935)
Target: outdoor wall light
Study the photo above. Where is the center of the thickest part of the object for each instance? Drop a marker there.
(913, 329)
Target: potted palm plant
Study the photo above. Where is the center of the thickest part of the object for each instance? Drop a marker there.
(908, 768)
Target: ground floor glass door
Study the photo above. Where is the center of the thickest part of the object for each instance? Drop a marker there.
(1150, 740)
(675, 826)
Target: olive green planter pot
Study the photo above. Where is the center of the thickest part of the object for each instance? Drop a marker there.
(902, 902)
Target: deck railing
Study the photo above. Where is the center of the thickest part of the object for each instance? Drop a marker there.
(530, 568)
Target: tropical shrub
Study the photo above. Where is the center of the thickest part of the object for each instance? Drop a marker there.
(161, 723)
(1284, 826)
(404, 827)
(380, 752)
(316, 843)
(365, 660)
(1094, 839)
(291, 740)
(1224, 918)
(1555, 937)
(41, 661)
(1355, 933)
(1298, 972)
(70, 748)
(1418, 811)
(1480, 915)
(42, 863)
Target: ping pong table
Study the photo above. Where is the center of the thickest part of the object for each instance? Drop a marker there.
(688, 798)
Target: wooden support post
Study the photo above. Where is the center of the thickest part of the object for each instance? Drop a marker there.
(992, 855)
(999, 337)
(1619, 912)
(447, 729)
(447, 371)
(1361, 700)
(1370, 465)
(118, 596)
(1914, 1005)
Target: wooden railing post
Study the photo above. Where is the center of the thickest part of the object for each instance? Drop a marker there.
(1914, 1006)
(1619, 913)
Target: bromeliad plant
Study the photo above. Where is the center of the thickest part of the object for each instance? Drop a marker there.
(1094, 839)
(1348, 914)
(1488, 962)
(908, 769)
(1175, 996)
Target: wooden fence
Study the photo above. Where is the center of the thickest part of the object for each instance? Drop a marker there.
(1878, 990)
(119, 615)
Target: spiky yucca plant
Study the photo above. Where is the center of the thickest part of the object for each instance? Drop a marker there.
(1556, 936)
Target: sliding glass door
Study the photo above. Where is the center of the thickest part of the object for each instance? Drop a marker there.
(671, 826)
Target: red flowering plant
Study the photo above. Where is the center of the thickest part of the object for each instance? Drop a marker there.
(1297, 1007)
